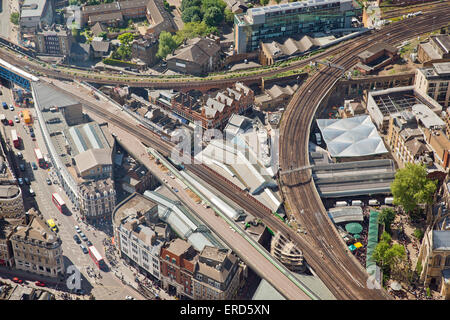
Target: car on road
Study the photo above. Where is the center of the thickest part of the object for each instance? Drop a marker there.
(77, 228)
(27, 180)
(16, 119)
(19, 155)
(20, 181)
(11, 107)
(39, 284)
(32, 192)
(10, 122)
(49, 182)
(83, 236)
(175, 189)
(32, 135)
(34, 166)
(31, 129)
(22, 167)
(84, 249)
(5, 105)
(77, 240)
(129, 298)
(17, 280)
(89, 243)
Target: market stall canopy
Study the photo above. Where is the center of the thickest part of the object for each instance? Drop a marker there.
(353, 227)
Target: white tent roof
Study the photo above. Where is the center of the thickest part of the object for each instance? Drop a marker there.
(351, 137)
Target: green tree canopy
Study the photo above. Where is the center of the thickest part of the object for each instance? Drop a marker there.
(190, 3)
(166, 45)
(207, 4)
(14, 18)
(386, 217)
(192, 30)
(264, 2)
(411, 187)
(229, 16)
(126, 38)
(191, 14)
(213, 16)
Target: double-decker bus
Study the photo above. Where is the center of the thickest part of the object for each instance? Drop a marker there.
(15, 138)
(40, 158)
(96, 256)
(59, 202)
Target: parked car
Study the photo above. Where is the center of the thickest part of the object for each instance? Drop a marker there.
(10, 122)
(31, 129)
(39, 284)
(83, 236)
(34, 166)
(16, 119)
(5, 105)
(49, 182)
(32, 135)
(20, 181)
(19, 155)
(27, 180)
(89, 243)
(77, 228)
(77, 240)
(11, 107)
(84, 249)
(17, 280)
(22, 167)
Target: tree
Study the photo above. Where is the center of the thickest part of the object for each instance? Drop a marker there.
(14, 18)
(379, 252)
(229, 16)
(411, 187)
(278, 1)
(264, 2)
(207, 4)
(126, 38)
(213, 16)
(192, 30)
(103, 34)
(190, 3)
(166, 45)
(386, 217)
(191, 14)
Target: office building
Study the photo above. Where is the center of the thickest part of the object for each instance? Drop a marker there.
(434, 81)
(290, 19)
(54, 42)
(437, 49)
(35, 14)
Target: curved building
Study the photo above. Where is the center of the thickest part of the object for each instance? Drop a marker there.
(11, 202)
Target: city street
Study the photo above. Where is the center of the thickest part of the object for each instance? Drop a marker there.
(108, 287)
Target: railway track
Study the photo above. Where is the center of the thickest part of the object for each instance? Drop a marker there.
(419, 7)
(322, 246)
(343, 275)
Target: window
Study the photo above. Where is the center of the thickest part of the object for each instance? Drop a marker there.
(447, 261)
(437, 261)
(174, 260)
(199, 276)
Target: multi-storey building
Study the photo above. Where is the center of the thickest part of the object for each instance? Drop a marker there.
(434, 81)
(211, 111)
(178, 259)
(36, 248)
(217, 275)
(54, 42)
(122, 10)
(80, 152)
(145, 49)
(35, 14)
(437, 49)
(286, 20)
(198, 56)
(140, 240)
(7, 227)
(434, 261)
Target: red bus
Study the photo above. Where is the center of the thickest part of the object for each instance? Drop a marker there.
(15, 138)
(39, 158)
(59, 202)
(96, 256)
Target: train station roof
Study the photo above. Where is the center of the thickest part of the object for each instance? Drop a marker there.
(351, 137)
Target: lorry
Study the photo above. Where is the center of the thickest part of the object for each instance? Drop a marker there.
(374, 202)
(341, 204)
(357, 203)
(389, 201)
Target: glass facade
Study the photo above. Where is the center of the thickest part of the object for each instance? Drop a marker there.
(288, 20)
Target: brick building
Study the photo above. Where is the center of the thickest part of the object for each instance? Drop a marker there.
(178, 259)
(376, 57)
(145, 49)
(437, 49)
(211, 111)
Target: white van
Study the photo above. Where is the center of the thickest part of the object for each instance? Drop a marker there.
(357, 203)
(318, 138)
(374, 202)
(389, 201)
(341, 204)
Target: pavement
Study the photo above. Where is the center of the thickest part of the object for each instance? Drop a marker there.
(7, 29)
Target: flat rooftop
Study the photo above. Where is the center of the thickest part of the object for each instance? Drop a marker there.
(131, 206)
